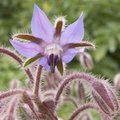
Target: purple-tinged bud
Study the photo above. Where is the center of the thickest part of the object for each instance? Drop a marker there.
(81, 91)
(67, 91)
(105, 97)
(117, 82)
(86, 61)
(49, 104)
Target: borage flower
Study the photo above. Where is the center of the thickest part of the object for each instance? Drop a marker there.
(50, 45)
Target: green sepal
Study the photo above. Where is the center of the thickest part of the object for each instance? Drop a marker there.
(31, 60)
(60, 67)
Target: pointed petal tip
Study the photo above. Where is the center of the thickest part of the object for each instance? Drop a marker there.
(38, 25)
(35, 8)
(82, 14)
(11, 40)
(81, 17)
(35, 5)
(74, 32)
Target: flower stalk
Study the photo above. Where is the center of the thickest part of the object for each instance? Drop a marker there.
(10, 93)
(36, 87)
(75, 76)
(82, 108)
(17, 59)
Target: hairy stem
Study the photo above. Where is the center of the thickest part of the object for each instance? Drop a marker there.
(18, 59)
(37, 81)
(12, 108)
(10, 93)
(75, 76)
(29, 75)
(82, 108)
(27, 100)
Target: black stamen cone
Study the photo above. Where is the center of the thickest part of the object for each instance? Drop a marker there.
(52, 62)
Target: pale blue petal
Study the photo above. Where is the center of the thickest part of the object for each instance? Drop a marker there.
(41, 26)
(74, 33)
(69, 55)
(43, 62)
(26, 49)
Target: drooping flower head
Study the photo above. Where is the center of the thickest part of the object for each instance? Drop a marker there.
(50, 44)
(105, 97)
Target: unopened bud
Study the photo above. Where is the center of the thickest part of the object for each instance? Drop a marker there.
(86, 61)
(105, 97)
(117, 82)
(67, 91)
(81, 91)
(49, 104)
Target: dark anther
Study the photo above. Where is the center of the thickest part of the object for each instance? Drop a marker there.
(52, 62)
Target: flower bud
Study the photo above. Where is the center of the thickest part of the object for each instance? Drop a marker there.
(105, 97)
(81, 91)
(117, 82)
(86, 61)
(49, 104)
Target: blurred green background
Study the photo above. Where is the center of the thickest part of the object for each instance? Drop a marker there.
(102, 26)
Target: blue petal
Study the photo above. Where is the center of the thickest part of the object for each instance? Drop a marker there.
(41, 26)
(43, 62)
(74, 33)
(69, 55)
(26, 49)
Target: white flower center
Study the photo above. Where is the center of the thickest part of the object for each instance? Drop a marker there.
(53, 49)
